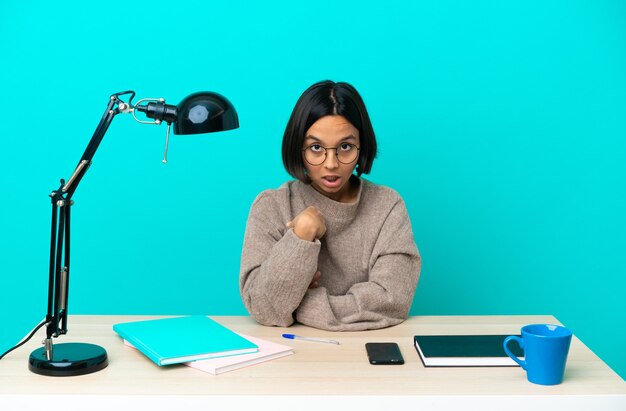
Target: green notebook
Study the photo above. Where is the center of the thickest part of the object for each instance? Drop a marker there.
(183, 339)
(465, 351)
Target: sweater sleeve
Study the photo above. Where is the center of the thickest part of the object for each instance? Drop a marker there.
(276, 266)
(385, 299)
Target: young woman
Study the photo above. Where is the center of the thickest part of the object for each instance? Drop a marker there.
(330, 249)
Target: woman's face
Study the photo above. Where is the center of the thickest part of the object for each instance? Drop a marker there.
(332, 174)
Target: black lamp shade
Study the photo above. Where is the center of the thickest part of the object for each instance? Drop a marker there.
(205, 112)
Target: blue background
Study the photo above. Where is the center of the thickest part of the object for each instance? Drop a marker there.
(502, 124)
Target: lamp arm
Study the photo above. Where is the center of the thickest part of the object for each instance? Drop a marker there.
(59, 269)
(115, 107)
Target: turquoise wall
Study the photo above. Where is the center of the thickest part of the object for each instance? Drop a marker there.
(503, 125)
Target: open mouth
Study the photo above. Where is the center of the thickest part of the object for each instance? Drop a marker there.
(331, 181)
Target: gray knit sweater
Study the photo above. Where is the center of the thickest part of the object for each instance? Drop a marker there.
(368, 259)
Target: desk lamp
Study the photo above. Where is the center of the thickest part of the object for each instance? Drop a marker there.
(203, 112)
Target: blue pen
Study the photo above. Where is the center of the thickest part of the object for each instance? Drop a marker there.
(322, 340)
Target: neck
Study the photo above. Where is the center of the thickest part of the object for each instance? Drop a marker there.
(347, 194)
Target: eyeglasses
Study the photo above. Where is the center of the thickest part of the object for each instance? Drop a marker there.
(346, 153)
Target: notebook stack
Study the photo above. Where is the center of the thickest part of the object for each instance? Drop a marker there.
(199, 342)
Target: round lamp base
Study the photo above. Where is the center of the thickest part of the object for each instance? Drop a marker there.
(68, 359)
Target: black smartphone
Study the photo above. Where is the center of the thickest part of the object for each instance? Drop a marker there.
(384, 353)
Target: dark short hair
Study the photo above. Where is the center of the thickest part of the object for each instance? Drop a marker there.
(327, 98)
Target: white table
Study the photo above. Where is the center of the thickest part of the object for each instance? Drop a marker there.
(317, 375)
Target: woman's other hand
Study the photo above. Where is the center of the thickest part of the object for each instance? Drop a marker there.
(315, 280)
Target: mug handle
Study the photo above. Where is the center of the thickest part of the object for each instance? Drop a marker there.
(510, 354)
